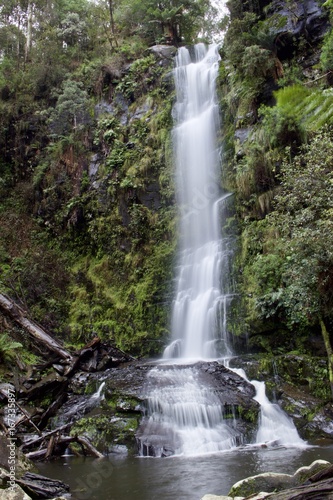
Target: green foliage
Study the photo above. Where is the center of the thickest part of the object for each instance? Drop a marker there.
(71, 110)
(326, 58)
(73, 30)
(123, 298)
(8, 348)
(141, 77)
(291, 277)
(251, 54)
(162, 21)
(311, 108)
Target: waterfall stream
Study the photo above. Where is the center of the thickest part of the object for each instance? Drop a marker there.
(199, 311)
(183, 415)
(274, 425)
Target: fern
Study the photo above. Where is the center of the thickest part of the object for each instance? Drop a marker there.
(8, 347)
(313, 108)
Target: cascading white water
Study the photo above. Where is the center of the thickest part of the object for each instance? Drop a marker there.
(183, 416)
(199, 311)
(274, 425)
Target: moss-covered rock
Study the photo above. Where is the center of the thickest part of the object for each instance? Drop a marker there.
(273, 482)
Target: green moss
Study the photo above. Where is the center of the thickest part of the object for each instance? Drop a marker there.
(105, 431)
(121, 403)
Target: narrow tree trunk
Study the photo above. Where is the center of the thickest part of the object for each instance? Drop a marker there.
(112, 22)
(326, 337)
(28, 43)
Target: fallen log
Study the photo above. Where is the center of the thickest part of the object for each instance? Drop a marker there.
(56, 446)
(26, 417)
(19, 316)
(58, 449)
(52, 409)
(50, 447)
(84, 441)
(36, 441)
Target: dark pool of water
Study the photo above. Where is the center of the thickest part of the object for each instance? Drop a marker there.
(175, 478)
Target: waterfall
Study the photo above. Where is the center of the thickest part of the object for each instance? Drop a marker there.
(98, 393)
(274, 425)
(183, 415)
(199, 310)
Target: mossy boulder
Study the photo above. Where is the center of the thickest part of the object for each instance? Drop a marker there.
(268, 481)
(109, 433)
(273, 482)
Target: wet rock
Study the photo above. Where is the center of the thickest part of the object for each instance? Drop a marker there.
(169, 386)
(292, 382)
(118, 108)
(104, 107)
(273, 482)
(216, 497)
(321, 423)
(109, 433)
(16, 494)
(141, 111)
(94, 166)
(131, 380)
(3, 478)
(305, 473)
(128, 379)
(75, 408)
(4, 451)
(40, 487)
(163, 52)
(48, 385)
(268, 481)
(302, 19)
(242, 134)
(4, 388)
(150, 197)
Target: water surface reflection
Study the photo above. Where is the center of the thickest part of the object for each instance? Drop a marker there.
(175, 478)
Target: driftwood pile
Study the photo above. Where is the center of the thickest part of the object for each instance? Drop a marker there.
(54, 443)
(95, 356)
(61, 365)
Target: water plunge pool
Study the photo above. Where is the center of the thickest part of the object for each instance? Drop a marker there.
(120, 477)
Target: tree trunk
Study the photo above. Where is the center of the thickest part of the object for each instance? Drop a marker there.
(28, 42)
(112, 22)
(326, 337)
(17, 314)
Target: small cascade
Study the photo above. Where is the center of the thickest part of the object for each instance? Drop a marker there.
(184, 417)
(98, 394)
(274, 425)
(78, 406)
